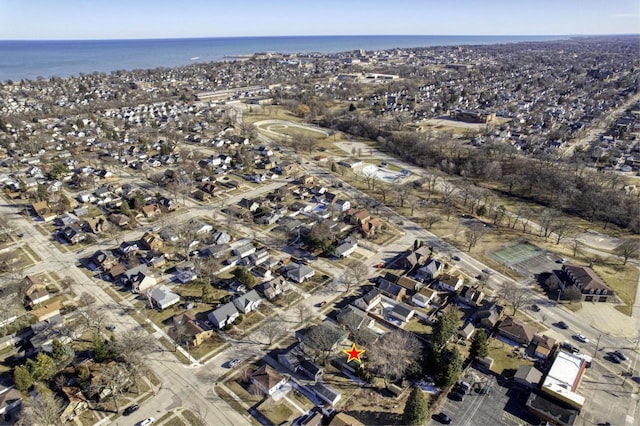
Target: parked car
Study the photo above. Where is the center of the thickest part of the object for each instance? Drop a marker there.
(563, 325)
(456, 396)
(463, 387)
(234, 362)
(612, 358)
(442, 418)
(580, 338)
(147, 422)
(321, 304)
(455, 257)
(111, 327)
(535, 308)
(130, 409)
(620, 355)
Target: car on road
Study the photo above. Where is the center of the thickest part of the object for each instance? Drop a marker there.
(234, 362)
(568, 346)
(612, 358)
(111, 327)
(618, 353)
(130, 409)
(442, 418)
(321, 304)
(486, 271)
(580, 338)
(563, 325)
(535, 308)
(147, 422)
(455, 257)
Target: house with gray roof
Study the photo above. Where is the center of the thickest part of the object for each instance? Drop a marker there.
(248, 302)
(224, 315)
(369, 300)
(300, 272)
(163, 297)
(402, 312)
(326, 393)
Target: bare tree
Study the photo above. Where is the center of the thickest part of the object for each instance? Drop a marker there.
(86, 300)
(113, 379)
(394, 355)
(447, 190)
(358, 270)
(514, 295)
(43, 408)
(474, 233)
(187, 234)
(271, 329)
(561, 228)
(200, 415)
(303, 312)
(627, 249)
(432, 219)
(347, 280)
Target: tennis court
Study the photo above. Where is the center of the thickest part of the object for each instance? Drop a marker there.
(518, 253)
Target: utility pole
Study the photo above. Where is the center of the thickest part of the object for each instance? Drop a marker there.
(597, 346)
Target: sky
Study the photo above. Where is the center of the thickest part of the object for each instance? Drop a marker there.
(118, 19)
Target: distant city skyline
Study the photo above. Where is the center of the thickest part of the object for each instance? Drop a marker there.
(118, 19)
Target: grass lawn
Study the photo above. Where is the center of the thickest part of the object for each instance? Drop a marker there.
(503, 360)
(243, 393)
(300, 399)
(209, 345)
(623, 279)
(286, 300)
(416, 326)
(275, 412)
(248, 322)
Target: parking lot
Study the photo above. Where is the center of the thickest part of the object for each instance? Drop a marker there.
(499, 406)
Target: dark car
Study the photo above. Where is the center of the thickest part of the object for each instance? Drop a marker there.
(456, 396)
(456, 257)
(618, 353)
(612, 358)
(535, 308)
(442, 418)
(568, 346)
(130, 409)
(563, 325)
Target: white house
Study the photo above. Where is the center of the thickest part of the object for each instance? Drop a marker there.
(247, 302)
(225, 314)
(449, 283)
(345, 249)
(163, 297)
(424, 297)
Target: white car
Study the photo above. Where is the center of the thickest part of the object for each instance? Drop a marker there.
(147, 422)
(234, 362)
(581, 338)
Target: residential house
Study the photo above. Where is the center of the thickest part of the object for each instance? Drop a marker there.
(489, 314)
(128, 248)
(341, 206)
(326, 393)
(73, 234)
(449, 283)
(75, 403)
(151, 211)
(10, 399)
(191, 329)
(467, 331)
(250, 205)
(247, 302)
(93, 225)
(470, 296)
(299, 272)
(267, 379)
(410, 284)
(223, 315)
(353, 318)
(402, 312)
(273, 288)
(369, 300)
(346, 248)
(516, 330)
(36, 293)
(119, 219)
(343, 419)
(162, 297)
(43, 211)
(220, 237)
(185, 275)
(591, 286)
(391, 290)
(357, 217)
(138, 279)
(543, 345)
(416, 257)
(370, 228)
(430, 270)
(244, 250)
(151, 241)
(424, 297)
(295, 360)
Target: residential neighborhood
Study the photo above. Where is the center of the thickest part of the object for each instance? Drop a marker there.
(213, 250)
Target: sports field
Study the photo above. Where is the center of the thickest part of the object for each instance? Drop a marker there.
(517, 253)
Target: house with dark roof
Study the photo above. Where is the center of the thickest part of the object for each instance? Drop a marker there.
(402, 312)
(273, 288)
(295, 360)
(543, 345)
(423, 297)
(369, 300)
(470, 296)
(430, 270)
(267, 379)
(391, 290)
(415, 258)
(326, 393)
(516, 330)
(591, 286)
(489, 314)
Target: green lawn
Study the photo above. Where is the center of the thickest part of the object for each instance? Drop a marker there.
(623, 280)
(503, 360)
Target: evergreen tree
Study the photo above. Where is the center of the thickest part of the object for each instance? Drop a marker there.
(22, 378)
(449, 367)
(479, 345)
(416, 410)
(100, 352)
(57, 350)
(444, 328)
(42, 368)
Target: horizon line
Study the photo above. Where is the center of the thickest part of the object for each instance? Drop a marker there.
(322, 35)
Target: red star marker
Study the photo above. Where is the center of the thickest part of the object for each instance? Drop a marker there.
(354, 353)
